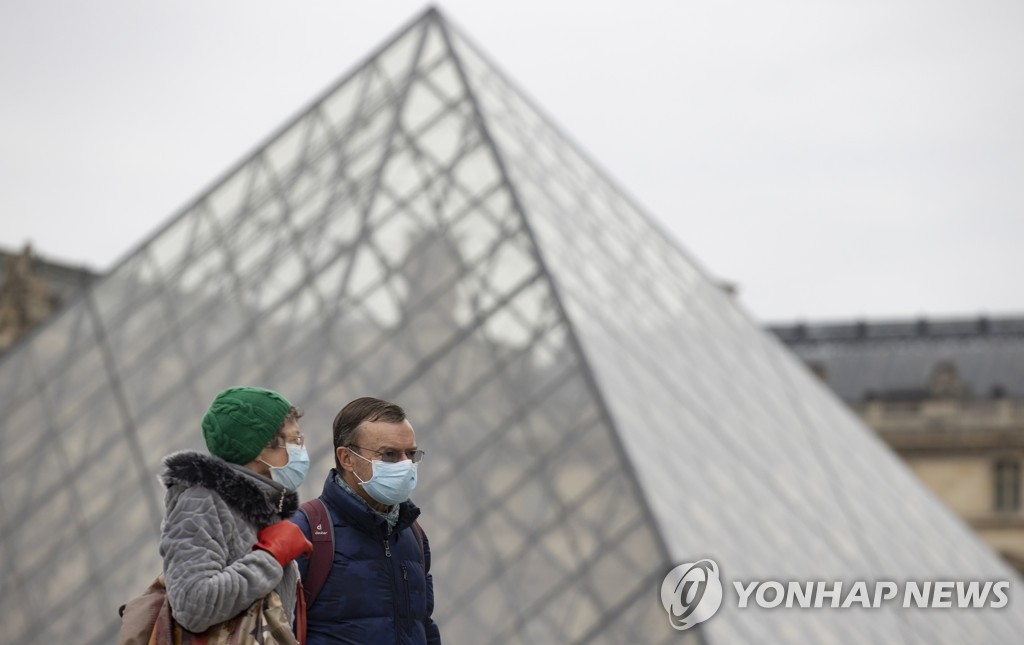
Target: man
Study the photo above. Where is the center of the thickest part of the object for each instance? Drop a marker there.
(379, 589)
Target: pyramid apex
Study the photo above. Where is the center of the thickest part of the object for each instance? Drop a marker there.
(432, 12)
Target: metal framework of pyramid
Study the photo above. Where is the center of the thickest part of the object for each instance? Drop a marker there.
(595, 410)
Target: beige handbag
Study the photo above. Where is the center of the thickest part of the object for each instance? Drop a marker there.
(147, 620)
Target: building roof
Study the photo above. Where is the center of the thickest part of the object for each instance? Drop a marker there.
(62, 278)
(861, 360)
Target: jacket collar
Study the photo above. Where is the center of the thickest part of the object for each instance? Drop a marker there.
(357, 512)
(258, 499)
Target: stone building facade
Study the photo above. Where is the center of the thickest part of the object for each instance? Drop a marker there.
(31, 289)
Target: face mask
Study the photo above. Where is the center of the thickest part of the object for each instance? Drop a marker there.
(292, 474)
(390, 483)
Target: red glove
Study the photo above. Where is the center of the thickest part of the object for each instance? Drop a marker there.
(284, 541)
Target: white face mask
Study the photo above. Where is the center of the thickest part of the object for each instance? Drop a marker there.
(391, 483)
(292, 474)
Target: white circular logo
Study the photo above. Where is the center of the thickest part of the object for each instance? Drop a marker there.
(691, 593)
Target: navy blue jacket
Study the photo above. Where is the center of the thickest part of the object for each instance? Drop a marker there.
(380, 589)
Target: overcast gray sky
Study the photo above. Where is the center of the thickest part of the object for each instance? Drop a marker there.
(834, 159)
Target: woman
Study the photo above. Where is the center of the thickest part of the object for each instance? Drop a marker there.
(224, 539)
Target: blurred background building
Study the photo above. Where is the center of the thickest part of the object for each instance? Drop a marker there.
(33, 288)
(594, 407)
(948, 396)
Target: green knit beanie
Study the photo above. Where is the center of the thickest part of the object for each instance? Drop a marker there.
(241, 421)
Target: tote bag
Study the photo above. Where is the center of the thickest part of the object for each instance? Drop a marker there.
(147, 620)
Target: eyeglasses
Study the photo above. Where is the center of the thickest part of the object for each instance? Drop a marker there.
(394, 456)
(297, 440)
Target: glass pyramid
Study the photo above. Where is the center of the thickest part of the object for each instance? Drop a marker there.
(595, 409)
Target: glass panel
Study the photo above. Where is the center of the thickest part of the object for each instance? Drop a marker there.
(61, 339)
(174, 425)
(311, 206)
(207, 279)
(230, 196)
(447, 137)
(402, 174)
(241, 362)
(168, 251)
(143, 327)
(422, 106)
(367, 271)
(342, 104)
(283, 153)
(280, 276)
(394, 62)
(123, 289)
(34, 480)
(445, 80)
(434, 47)
(24, 434)
(161, 371)
(369, 131)
(77, 382)
(17, 390)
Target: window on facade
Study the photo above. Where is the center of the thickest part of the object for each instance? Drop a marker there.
(1007, 485)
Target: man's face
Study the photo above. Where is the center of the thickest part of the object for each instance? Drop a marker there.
(377, 440)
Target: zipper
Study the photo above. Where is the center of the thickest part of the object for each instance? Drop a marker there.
(391, 570)
(408, 601)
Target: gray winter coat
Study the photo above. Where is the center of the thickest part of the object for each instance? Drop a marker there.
(214, 509)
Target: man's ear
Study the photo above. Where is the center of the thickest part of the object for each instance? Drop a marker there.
(344, 458)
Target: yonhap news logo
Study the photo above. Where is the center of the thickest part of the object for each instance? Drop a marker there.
(692, 592)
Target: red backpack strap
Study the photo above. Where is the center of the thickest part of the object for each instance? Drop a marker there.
(418, 530)
(321, 530)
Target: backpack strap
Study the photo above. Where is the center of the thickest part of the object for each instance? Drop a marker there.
(418, 530)
(321, 530)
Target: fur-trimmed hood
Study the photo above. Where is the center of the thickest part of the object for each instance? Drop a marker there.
(256, 498)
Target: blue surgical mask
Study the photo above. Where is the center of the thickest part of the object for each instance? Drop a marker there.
(292, 474)
(391, 483)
